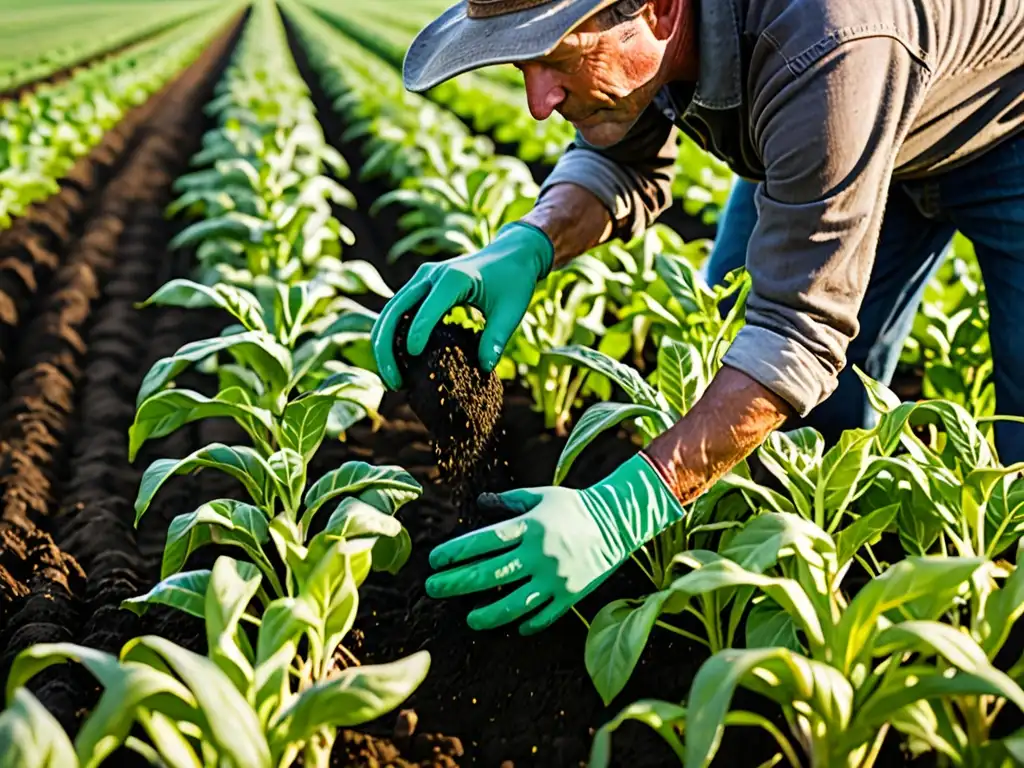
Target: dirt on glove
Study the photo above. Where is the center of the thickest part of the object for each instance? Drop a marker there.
(461, 406)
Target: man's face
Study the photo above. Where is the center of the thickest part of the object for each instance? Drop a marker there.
(600, 80)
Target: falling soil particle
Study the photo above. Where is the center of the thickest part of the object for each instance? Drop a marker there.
(461, 406)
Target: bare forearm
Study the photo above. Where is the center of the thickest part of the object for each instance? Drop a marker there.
(729, 422)
(573, 218)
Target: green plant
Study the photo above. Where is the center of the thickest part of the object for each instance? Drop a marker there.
(843, 671)
(241, 704)
(949, 341)
(263, 196)
(45, 132)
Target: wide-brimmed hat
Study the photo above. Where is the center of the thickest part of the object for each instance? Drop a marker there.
(477, 33)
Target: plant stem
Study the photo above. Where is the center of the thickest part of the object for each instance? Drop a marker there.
(581, 617)
(872, 755)
(742, 717)
(681, 632)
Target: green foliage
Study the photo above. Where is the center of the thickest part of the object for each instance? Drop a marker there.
(240, 704)
(277, 680)
(45, 132)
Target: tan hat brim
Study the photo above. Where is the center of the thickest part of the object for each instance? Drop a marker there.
(454, 43)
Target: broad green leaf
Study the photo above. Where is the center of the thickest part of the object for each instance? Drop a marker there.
(663, 717)
(911, 684)
(356, 477)
(769, 625)
(240, 462)
(619, 632)
(241, 304)
(937, 579)
(965, 439)
(164, 412)
(125, 687)
(390, 553)
(356, 276)
(1001, 611)
(32, 737)
(283, 622)
(892, 428)
(1005, 513)
(289, 471)
(355, 696)
(342, 594)
(305, 422)
(839, 476)
(783, 457)
(769, 536)
(222, 521)
(954, 646)
(882, 398)
(795, 680)
(185, 591)
(233, 376)
(866, 530)
(597, 418)
(172, 747)
(680, 375)
(354, 517)
(932, 727)
(978, 489)
(230, 723)
(625, 376)
(682, 280)
(389, 500)
(260, 351)
(232, 586)
(356, 320)
(233, 226)
(292, 304)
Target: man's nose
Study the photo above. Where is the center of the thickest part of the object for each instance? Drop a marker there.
(543, 93)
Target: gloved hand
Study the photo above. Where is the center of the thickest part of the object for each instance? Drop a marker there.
(498, 280)
(562, 546)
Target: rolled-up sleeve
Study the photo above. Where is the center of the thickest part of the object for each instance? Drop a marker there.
(829, 135)
(633, 178)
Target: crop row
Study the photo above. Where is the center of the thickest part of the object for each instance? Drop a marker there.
(45, 132)
(53, 42)
(268, 247)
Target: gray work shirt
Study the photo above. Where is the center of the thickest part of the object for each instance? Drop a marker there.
(825, 102)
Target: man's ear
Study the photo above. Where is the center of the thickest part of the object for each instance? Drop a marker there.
(664, 16)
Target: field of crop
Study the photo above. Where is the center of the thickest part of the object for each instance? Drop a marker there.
(215, 520)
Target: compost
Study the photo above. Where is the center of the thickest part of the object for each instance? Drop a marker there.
(461, 407)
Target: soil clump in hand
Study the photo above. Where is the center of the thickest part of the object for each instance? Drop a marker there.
(461, 406)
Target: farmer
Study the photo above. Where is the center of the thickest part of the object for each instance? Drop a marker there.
(864, 131)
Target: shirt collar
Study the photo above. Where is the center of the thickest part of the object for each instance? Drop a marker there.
(720, 82)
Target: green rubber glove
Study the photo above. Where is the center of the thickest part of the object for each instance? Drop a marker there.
(562, 546)
(498, 280)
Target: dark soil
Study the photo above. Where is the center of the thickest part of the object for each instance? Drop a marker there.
(460, 405)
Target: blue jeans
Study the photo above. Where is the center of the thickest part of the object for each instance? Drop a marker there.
(985, 201)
